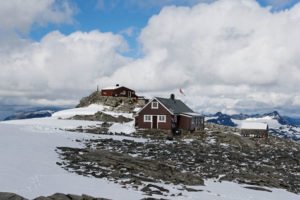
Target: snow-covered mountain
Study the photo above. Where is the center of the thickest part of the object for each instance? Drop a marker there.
(39, 112)
(282, 126)
(220, 118)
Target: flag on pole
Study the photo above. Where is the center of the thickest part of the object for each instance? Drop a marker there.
(181, 91)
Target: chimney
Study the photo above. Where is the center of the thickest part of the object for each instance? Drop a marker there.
(172, 96)
(117, 85)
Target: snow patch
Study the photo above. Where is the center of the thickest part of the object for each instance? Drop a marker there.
(28, 166)
(126, 128)
(89, 110)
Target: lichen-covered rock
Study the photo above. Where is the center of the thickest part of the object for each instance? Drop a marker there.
(125, 166)
(124, 104)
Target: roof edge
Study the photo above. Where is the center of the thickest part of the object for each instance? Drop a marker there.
(151, 102)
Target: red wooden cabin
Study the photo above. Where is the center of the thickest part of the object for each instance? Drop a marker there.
(168, 113)
(118, 91)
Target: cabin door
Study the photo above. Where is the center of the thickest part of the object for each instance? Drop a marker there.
(154, 122)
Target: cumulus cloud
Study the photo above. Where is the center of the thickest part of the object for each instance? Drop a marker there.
(58, 69)
(223, 54)
(230, 56)
(60, 66)
(19, 15)
(18, 18)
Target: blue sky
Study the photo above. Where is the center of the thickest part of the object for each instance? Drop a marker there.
(126, 17)
(117, 16)
(227, 55)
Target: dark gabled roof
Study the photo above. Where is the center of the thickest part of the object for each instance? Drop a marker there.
(116, 87)
(175, 106)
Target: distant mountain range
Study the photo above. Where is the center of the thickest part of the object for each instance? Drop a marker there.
(38, 112)
(220, 118)
(226, 120)
(281, 126)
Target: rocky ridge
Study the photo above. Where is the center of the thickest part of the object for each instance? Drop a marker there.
(123, 104)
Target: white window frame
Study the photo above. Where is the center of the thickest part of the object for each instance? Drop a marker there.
(162, 120)
(153, 103)
(147, 120)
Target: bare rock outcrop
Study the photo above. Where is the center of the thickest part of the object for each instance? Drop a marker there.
(101, 116)
(219, 153)
(123, 166)
(123, 104)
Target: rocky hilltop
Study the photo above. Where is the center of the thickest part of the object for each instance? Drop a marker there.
(124, 104)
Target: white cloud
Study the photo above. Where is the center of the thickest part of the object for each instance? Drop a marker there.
(20, 15)
(227, 53)
(231, 55)
(129, 32)
(60, 66)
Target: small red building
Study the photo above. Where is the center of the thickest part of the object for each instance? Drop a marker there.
(118, 91)
(168, 113)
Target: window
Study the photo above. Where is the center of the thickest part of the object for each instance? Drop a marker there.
(123, 92)
(147, 118)
(162, 118)
(154, 105)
